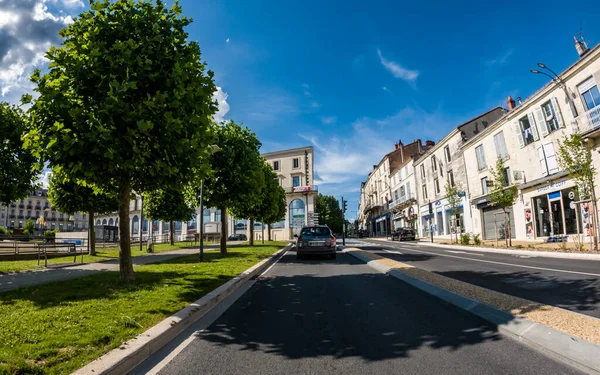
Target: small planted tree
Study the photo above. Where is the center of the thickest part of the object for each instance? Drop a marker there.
(503, 195)
(575, 156)
(167, 205)
(236, 180)
(330, 212)
(126, 103)
(29, 227)
(17, 172)
(454, 200)
(77, 196)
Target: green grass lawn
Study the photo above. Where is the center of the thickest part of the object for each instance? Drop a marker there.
(59, 327)
(101, 254)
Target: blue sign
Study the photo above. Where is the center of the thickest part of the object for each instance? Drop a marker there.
(554, 195)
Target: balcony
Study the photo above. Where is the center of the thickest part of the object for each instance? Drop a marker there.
(29, 206)
(301, 189)
(21, 205)
(402, 199)
(588, 122)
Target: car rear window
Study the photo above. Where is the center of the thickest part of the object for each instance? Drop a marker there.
(315, 231)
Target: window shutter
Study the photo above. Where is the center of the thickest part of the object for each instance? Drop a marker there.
(543, 161)
(557, 112)
(534, 131)
(541, 119)
(550, 158)
(519, 134)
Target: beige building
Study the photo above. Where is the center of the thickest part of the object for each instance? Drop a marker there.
(443, 163)
(528, 139)
(295, 172)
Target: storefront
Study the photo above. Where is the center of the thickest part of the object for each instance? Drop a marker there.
(550, 210)
(495, 221)
(381, 225)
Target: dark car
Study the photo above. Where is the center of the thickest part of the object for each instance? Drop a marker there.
(403, 234)
(315, 240)
(237, 237)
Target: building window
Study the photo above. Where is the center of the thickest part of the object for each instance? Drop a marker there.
(84, 215)
(591, 95)
(441, 171)
(436, 184)
(500, 146)
(548, 117)
(433, 164)
(484, 186)
(526, 130)
(296, 181)
(447, 153)
(275, 165)
(507, 176)
(548, 159)
(451, 178)
(296, 163)
(425, 191)
(423, 171)
(218, 216)
(480, 157)
(135, 225)
(28, 213)
(206, 215)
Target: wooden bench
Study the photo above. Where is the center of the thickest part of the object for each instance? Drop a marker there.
(43, 250)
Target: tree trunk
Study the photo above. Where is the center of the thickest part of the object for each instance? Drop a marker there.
(269, 231)
(505, 239)
(172, 232)
(263, 233)
(92, 233)
(125, 264)
(223, 230)
(251, 232)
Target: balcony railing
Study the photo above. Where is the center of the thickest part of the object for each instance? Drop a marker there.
(301, 189)
(401, 199)
(588, 121)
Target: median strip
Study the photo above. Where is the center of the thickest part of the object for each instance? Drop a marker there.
(514, 316)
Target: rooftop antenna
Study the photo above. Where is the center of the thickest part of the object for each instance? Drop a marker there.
(581, 38)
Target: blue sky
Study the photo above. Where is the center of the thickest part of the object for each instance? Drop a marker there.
(351, 78)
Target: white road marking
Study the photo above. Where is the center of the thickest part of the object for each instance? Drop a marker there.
(507, 264)
(463, 252)
(394, 252)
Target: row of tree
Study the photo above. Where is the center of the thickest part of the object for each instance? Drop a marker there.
(126, 108)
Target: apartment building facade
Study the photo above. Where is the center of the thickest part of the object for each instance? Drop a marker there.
(404, 204)
(444, 164)
(528, 139)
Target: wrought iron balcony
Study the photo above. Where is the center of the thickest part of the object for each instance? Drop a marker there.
(401, 199)
(588, 121)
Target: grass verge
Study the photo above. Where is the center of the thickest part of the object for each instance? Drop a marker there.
(101, 254)
(57, 328)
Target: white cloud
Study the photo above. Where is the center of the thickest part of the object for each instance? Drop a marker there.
(386, 89)
(328, 120)
(315, 105)
(499, 60)
(227, 40)
(27, 30)
(305, 86)
(397, 70)
(44, 179)
(220, 97)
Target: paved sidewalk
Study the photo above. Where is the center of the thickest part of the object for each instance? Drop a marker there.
(29, 278)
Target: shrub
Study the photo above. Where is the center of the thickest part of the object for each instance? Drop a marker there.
(51, 233)
(477, 239)
(4, 230)
(465, 238)
(519, 246)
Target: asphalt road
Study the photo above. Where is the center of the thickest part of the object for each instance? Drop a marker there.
(571, 284)
(341, 317)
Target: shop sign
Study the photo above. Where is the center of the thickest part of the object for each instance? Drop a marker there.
(298, 189)
(554, 185)
(571, 195)
(380, 219)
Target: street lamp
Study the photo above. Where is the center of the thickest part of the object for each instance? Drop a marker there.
(556, 79)
(214, 148)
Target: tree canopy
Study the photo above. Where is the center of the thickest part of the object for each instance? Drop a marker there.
(126, 102)
(167, 205)
(330, 212)
(17, 172)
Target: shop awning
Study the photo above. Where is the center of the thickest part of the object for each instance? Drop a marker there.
(542, 180)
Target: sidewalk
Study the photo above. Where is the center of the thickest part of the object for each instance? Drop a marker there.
(533, 253)
(29, 278)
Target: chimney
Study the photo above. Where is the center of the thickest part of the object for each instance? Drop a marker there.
(580, 46)
(395, 146)
(511, 103)
(519, 100)
(429, 143)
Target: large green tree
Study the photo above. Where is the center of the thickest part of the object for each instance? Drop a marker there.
(503, 195)
(330, 213)
(126, 102)
(167, 205)
(17, 172)
(454, 199)
(71, 196)
(236, 180)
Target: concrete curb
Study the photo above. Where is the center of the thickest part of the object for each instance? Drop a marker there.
(568, 349)
(135, 351)
(547, 254)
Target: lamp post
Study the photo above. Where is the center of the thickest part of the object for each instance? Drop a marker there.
(214, 148)
(556, 79)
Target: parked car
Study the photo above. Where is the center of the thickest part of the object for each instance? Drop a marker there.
(403, 234)
(363, 233)
(315, 240)
(237, 237)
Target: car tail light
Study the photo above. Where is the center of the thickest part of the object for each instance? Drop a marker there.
(332, 241)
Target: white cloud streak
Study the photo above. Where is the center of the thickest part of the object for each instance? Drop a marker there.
(220, 97)
(397, 70)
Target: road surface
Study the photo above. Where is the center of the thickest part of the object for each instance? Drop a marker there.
(342, 317)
